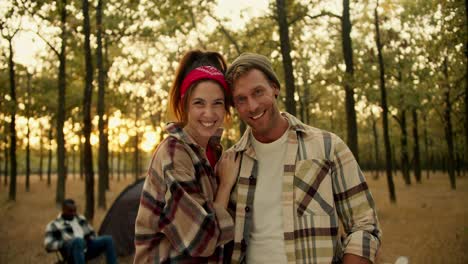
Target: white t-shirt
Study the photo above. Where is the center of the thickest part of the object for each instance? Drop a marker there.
(77, 229)
(266, 242)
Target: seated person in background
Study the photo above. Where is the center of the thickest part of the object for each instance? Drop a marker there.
(73, 236)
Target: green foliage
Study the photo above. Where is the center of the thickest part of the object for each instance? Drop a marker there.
(144, 40)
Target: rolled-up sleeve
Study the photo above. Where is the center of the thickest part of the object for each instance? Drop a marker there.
(355, 205)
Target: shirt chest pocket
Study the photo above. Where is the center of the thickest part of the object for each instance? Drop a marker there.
(313, 190)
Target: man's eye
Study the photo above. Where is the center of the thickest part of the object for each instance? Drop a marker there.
(239, 100)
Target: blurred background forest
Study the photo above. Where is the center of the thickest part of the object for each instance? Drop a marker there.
(84, 84)
(84, 87)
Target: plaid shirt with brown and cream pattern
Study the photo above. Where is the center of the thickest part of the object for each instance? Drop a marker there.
(177, 220)
(322, 185)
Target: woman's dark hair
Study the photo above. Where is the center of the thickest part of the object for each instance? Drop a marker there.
(191, 60)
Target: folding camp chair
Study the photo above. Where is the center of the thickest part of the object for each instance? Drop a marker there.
(60, 258)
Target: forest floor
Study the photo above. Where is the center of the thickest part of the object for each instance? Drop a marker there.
(428, 224)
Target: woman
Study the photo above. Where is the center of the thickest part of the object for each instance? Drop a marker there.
(182, 216)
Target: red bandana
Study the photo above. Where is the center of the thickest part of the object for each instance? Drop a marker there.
(200, 73)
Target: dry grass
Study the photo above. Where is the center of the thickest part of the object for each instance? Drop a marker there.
(428, 224)
(23, 222)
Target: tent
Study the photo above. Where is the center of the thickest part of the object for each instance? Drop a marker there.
(119, 221)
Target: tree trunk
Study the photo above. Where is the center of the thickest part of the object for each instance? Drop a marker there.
(376, 146)
(28, 132)
(49, 159)
(107, 155)
(306, 94)
(74, 163)
(111, 165)
(61, 170)
(124, 160)
(301, 102)
(306, 110)
(416, 154)
(119, 158)
(136, 156)
(41, 153)
(351, 122)
(87, 125)
(106, 124)
(448, 128)
(286, 54)
(103, 146)
(405, 170)
(7, 160)
(81, 159)
(426, 148)
(383, 92)
(466, 88)
(13, 164)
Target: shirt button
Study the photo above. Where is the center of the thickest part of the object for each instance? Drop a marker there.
(252, 179)
(247, 209)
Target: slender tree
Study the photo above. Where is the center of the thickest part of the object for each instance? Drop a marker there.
(13, 102)
(466, 85)
(136, 163)
(28, 132)
(376, 146)
(119, 158)
(416, 152)
(5, 166)
(401, 119)
(74, 157)
(383, 92)
(41, 152)
(351, 121)
(428, 164)
(81, 146)
(103, 141)
(448, 126)
(87, 125)
(34, 10)
(405, 169)
(49, 158)
(286, 54)
(62, 87)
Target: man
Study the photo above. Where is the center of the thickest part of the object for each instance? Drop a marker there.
(295, 182)
(73, 236)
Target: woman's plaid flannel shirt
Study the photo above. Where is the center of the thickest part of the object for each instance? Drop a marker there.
(177, 221)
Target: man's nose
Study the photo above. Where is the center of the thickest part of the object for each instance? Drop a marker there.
(252, 105)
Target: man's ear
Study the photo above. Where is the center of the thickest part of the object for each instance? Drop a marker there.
(275, 90)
